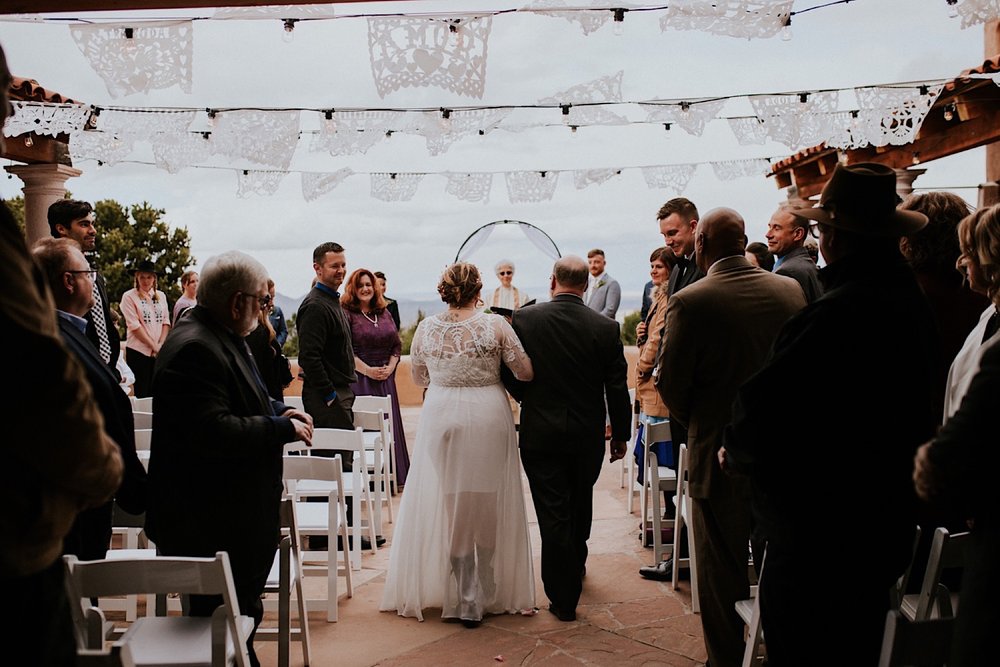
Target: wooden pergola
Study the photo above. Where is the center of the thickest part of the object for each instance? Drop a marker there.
(966, 115)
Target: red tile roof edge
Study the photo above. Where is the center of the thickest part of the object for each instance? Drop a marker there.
(28, 90)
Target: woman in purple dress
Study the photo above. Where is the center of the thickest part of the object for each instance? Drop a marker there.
(376, 353)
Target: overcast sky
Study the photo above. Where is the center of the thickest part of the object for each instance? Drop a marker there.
(246, 63)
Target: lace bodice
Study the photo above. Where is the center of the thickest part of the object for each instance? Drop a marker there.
(467, 353)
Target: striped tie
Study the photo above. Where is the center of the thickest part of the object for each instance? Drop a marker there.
(97, 315)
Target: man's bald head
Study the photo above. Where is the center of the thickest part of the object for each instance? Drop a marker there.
(570, 274)
(721, 233)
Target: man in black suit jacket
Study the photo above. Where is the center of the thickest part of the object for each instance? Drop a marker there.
(216, 456)
(73, 219)
(578, 359)
(678, 220)
(71, 280)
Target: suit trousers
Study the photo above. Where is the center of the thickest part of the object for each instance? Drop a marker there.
(848, 629)
(721, 525)
(562, 490)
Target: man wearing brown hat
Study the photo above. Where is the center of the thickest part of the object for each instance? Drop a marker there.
(832, 488)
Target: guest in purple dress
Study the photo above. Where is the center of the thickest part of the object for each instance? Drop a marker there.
(376, 343)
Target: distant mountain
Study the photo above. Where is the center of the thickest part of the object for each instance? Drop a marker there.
(409, 308)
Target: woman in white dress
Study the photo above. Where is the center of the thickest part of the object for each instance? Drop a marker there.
(461, 539)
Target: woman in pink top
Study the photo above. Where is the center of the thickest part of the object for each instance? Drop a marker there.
(147, 321)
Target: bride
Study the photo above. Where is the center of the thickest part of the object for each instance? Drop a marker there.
(461, 539)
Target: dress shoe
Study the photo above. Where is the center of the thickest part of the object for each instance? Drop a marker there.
(562, 614)
(366, 542)
(663, 571)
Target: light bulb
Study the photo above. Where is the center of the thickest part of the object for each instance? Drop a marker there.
(786, 29)
(565, 114)
(619, 22)
(952, 9)
(916, 159)
(949, 112)
(573, 129)
(445, 121)
(130, 45)
(28, 141)
(289, 33)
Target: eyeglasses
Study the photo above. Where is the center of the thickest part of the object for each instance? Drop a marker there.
(91, 272)
(505, 273)
(262, 301)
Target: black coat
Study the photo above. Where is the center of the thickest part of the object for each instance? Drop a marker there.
(216, 455)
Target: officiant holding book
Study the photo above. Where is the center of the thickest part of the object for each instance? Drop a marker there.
(506, 297)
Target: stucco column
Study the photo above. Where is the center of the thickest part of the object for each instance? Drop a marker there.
(43, 185)
(904, 180)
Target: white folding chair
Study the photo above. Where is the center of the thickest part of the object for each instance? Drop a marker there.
(144, 404)
(682, 519)
(218, 641)
(322, 519)
(656, 480)
(143, 420)
(749, 611)
(143, 440)
(375, 431)
(910, 643)
(286, 574)
(355, 485)
(294, 402)
(628, 463)
(383, 403)
(948, 551)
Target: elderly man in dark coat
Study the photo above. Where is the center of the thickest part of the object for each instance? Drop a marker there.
(830, 467)
(216, 456)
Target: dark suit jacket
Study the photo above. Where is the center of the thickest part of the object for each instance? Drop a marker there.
(393, 309)
(113, 338)
(691, 274)
(216, 456)
(578, 359)
(798, 264)
(92, 531)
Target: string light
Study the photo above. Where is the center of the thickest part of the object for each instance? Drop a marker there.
(949, 111)
(445, 121)
(28, 141)
(916, 158)
(130, 45)
(565, 113)
(786, 29)
(619, 21)
(952, 8)
(803, 98)
(289, 34)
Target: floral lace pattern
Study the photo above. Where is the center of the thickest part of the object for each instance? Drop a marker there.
(467, 353)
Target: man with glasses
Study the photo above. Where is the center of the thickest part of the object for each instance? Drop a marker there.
(72, 282)
(74, 219)
(215, 459)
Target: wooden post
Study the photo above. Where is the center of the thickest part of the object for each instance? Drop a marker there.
(989, 193)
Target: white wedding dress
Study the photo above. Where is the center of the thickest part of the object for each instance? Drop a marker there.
(461, 538)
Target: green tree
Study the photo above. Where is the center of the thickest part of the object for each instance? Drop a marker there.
(628, 328)
(406, 335)
(16, 206)
(291, 347)
(126, 236)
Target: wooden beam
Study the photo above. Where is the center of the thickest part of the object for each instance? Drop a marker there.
(62, 6)
(43, 149)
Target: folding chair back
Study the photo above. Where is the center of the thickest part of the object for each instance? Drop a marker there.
(912, 643)
(286, 573)
(656, 479)
(383, 404)
(375, 429)
(174, 640)
(948, 551)
(682, 519)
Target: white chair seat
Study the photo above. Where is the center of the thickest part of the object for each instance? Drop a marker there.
(156, 640)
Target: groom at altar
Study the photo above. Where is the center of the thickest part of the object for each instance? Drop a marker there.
(578, 359)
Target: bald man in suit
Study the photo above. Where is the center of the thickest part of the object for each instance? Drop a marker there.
(720, 330)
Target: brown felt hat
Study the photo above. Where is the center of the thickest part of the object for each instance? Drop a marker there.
(862, 198)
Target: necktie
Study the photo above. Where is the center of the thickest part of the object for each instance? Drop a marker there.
(100, 326)
(991, 326)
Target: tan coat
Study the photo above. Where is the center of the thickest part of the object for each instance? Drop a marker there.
(650, 401)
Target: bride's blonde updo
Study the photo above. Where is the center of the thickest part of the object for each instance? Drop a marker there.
(459, 284)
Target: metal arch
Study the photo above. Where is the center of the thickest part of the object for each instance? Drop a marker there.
(506, 222)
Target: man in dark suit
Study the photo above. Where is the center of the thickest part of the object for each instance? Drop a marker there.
(74, 219)
(578, 360)
(678, 219)
(216, 456)
(720, 330)
(71, 280)
(393, 307)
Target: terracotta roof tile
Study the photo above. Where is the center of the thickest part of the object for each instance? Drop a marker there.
(28, 90)
(798, 157)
